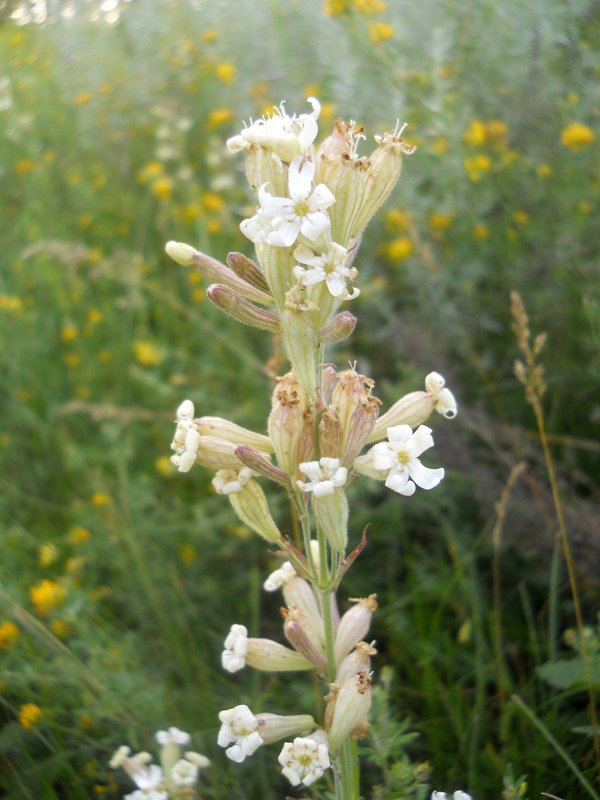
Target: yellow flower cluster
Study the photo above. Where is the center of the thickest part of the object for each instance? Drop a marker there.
(9, 633)
(492, 132)
(147, 354)
(47, 596)
(29, 715)
(11, 303)
(576, 135)
(380, 32)
(477, 166)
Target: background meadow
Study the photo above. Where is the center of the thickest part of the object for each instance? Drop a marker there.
(118, 577)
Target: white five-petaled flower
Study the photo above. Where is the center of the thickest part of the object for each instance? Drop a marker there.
(397, 460)
(286, 136)
(458, 795)
(280, 577)
(231, 481)
(173, 735)
(305, 759)
(280, 220)
(239, 733)
(233, 657)
(147, 777)
(445, 404)
(329, 267)
(324, 475)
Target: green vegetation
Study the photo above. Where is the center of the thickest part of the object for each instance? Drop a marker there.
(119, 578)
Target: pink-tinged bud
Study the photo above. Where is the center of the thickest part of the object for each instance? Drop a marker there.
(299, 594)
(273, 727)
(257, 462)
(330, 433)
(219, 273)
(357, 408)
(340, 328)
(354, 625)
(329, 379)
(298, 632)
(359, 660)
(237, 307)
(300, 340)
(248, 271)
(331, 512)
(269, 656)
(224, 429)
(384, 167)
(351, 708)
(250, 504)
(287, 421)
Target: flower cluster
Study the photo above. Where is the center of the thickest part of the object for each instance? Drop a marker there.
(173, 779)
(324, 428)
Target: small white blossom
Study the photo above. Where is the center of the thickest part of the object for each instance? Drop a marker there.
(280, 220)
(239, 729)
(397, 460)
(458, 795)
(150, 794)
(233, 657)
(445, 404)
(185, 457)
(305, 759)
(147, 778)
(184, 773)
(287, 136)
(279, 577)
(120, 757)
(329, 267)
(324, 476)
(173, 735)
(231, 481)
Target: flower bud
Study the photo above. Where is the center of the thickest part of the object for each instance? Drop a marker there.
(413, 409)
(299, 594)
(445, 404)
(273, 727)
(359, 660)
(331, 512)
(357, 408)
(354, 625)
(234, 305)
(300, 341)
(340, 328)
(216, 453)
(214, 270)
(248, 271)
(287, 422)
(351, 708)
(250, 504)
(277, 263)
(269, 656)
(329, 379)
(259, 463)
(224, 429)
(297, 630)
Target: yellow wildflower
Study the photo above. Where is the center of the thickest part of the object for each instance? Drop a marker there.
(219, 116)
(576, 135)
(198, 295)
(99, 499)
(210, 35)
(543, 170)
(9, 633)
(213, 226)
(439, 221)
(85, 220)
(152, 170)
(476, 133)
(521, 217)
(380, 32)
(46, 596)
(61, 629)
(24, 166)
(29, 715)
(164, 467)
(397, 219)
(69, 332)
(213, 202)
(225, 72)
(147, 354)
(477, 166)
(82, 99)
(48, 553)
(399, 248)
(78, 534)
(72, 360)
(11, 303)
(496, 131)
(94, 316)
(187, 553)
(334, 7)
(162, 188)
(480, 231)
(584, 207)
(191, 212)
(327, 111)
(369, 7)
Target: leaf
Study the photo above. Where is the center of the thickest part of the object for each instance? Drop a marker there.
(570, 673)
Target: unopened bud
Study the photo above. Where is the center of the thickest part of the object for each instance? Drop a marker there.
(273, 727)
(413, 409)
(329, 380)
(300, 341)
(331, 512)
(299, 594)
(215, 271)
(340, 327)
(242, 310)
(248, 271)
(269, 656)
(351, 708)
(257, 462)
(181, 253)
(354, 625)
(277, 264)
(298, 632)
(250, 504)
(225, 429)
(359, 660)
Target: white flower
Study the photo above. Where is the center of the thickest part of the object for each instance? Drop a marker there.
(328, 267)
(279, 577)
(280, 220)
(397, 460)
(459, 795)
(324, 476)
(240, 726)
(233, 657)
(147, 778)
(184, 773)
(231, 481)
(445, 404)
(305, 759)
(173, 735)
(151, 794)
(287, 136)
(185, 456)
(120, 757)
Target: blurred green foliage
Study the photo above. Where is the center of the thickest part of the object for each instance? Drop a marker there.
(119, 577)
